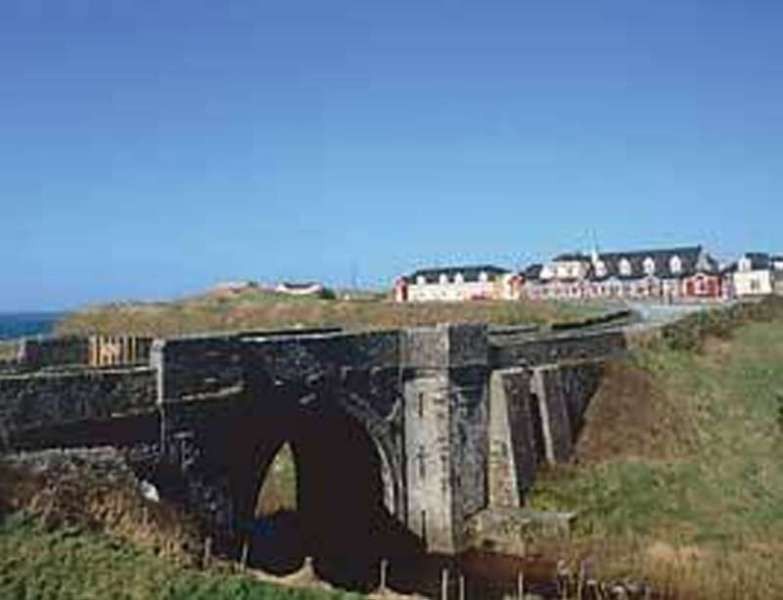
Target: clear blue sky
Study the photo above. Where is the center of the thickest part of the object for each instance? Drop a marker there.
(151, 148)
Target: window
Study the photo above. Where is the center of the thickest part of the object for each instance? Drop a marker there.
(421, 406)
(422, 463)
(675, 264)
(443, 279)
(745, 264)
(420, 280)
(649, 265)
(625, 267)
(483, 277)
(459, 278)
(600, 268)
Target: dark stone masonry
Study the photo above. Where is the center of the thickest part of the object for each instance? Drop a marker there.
(421, 429)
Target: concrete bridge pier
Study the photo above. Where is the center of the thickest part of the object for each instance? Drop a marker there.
(446, 415)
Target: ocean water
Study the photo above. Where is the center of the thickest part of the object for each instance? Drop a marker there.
(14, 325)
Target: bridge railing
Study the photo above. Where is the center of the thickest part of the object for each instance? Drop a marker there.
(94, 351)
(106, 351)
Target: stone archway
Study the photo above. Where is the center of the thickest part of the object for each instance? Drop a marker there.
(348, 482)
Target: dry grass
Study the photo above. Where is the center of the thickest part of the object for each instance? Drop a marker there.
(8, 350)
(66, 532)
(261, 310)
(69, 496)
(633, 415)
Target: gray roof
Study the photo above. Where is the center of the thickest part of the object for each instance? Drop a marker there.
(692, 258)
(533, 271)
(469, 273)
(759, 261)
(688, 255)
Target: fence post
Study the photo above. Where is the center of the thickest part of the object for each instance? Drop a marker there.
(520, 586)
(384, 568)
(461, 587)
(245, 553)
(444, 585)
(207, 552)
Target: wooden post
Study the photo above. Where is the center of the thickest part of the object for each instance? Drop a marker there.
(520, 586)
(444, 585)
(245, 553)
(207, 552)
(461, 587)
(384, 568)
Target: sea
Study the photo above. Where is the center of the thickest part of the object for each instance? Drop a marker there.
(15, 325)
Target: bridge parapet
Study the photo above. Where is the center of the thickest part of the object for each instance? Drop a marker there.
(557, 349)
(45, 401)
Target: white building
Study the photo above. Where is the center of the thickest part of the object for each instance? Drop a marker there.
(458, 284)
(665, 274)
(757, 274)
(309, 288)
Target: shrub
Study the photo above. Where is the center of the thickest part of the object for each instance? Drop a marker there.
(688, 334)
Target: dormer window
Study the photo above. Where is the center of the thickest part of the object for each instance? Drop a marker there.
(745, 264)
(675, 265)
(459, 278)
(483, 277)
(420, 280)
(625, 267)
(443, 279)
(600, 268)
(649, 266)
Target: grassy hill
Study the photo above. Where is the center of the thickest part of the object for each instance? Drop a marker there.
(69, 531)
(259, 309)
(679, 470)
(73, 563)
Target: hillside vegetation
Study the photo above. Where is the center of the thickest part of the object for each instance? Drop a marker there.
(679, 470)
(69, 532)
(73, 563)
(257, 309)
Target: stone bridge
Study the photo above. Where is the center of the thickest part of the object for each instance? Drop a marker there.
(399, 437)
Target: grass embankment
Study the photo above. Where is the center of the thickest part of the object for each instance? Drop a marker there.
(73, 563)
(256, 309)
(679, 470)
(70, 533)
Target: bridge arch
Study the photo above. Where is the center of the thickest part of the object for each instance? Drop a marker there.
(349, 482)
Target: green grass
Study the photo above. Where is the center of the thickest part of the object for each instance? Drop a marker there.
(720, 494)
(279, 489)
(69, 563)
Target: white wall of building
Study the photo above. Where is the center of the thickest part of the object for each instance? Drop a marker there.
(753, 283)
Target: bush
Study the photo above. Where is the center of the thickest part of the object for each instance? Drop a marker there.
(688, 334)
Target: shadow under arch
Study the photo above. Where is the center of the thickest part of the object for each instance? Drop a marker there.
(348, 494)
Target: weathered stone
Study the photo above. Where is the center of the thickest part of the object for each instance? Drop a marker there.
(512, 453)
(45, 400)
(449, 437)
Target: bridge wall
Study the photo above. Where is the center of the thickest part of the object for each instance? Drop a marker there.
(459, 425)
(574, 347)
(54, 352)
(513, 451)
(43, 400)
(446, 437)
(535, 416)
